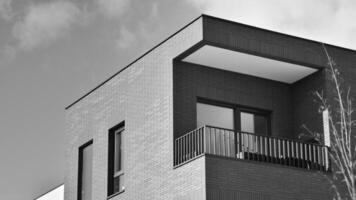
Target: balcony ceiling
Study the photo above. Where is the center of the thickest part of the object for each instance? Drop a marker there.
(243, 63)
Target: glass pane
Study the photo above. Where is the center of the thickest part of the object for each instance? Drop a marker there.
(247, 122)
(217, 116)
(261, 127)
(87, 156)
(119, 183)
(118, 151)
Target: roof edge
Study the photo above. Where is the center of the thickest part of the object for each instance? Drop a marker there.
(279, 33)
(137, 59)
(212, 17)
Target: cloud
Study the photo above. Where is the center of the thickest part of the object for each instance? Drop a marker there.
(138, 32)
(44, 23)
(126, 38)
(6, 9)
(322, 20)
(7, 54)
(113, 8)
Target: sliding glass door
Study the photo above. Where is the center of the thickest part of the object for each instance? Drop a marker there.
(248, 122)
(251, 125)
(227, 116)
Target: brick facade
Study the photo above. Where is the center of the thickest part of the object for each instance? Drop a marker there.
(156, 96)
(142, 96)
(228, 179)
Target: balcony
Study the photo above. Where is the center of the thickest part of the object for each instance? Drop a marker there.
(246, 146)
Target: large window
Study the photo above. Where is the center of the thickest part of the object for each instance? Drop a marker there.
(85, 171)
(218, 116)
(254, 123)
(116, 164)
(230, 116)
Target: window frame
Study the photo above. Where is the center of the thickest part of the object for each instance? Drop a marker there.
(237, 112)
(80, 167)
(121, 171)
(112, 152)
(218, 105)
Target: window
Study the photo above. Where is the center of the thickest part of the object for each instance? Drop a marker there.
(250, 122)
(85, 171)
(230, 116)
(253, 123)
(116, 164)
(218, 116)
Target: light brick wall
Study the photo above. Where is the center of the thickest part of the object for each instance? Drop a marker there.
(142, 96)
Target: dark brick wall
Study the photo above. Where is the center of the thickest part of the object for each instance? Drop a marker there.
(283, 47)
(270, 44)
(346, 65)
(228, 179)
(191, 81)
(261, 42)
(306, 104)
(345, 61)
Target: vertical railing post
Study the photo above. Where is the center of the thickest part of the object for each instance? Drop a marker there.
(236, 144)
(175, 152)
(327, 163)
(288, 153)
(198, 141)
(266, 149)
(283, 152)
(260, 142)
(206, 140)
(297, 152)
(302, 153)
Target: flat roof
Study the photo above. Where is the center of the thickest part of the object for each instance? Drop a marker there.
(201, 16)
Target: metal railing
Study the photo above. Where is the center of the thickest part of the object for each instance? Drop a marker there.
(247, 146)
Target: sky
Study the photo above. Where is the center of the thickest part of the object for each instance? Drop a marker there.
(54, 51)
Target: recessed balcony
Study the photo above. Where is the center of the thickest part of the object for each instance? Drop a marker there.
(247, 146)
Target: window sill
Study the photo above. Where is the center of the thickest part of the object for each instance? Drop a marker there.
(115, 194)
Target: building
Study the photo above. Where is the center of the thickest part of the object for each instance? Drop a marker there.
(56, 193)
(213, 112)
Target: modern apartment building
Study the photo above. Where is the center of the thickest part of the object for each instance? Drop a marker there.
(211, 113)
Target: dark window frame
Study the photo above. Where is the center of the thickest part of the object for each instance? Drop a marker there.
(119, 131)
(112, 173)
(238, 109)
(80, 168)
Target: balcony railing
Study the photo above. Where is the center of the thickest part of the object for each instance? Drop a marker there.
(247, 146)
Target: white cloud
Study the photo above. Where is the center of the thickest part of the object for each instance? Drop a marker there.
(323, 20)
(6, 9)
(7, 54)
(44, 23)
(126, 38)
(138, 33)
(113, 8)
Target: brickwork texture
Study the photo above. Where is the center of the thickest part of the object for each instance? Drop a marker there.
(156, 97)
(141, 95)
